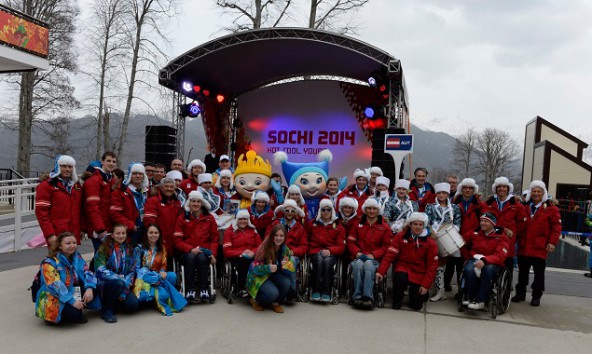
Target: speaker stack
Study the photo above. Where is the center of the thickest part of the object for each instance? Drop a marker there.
(161, 143)
(379, 158)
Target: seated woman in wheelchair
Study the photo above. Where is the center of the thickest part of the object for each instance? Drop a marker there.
(367, 244)
(485, 250)
(196, 239)
(327, 242)
(415, 257)
(239, 245)
(296, 236)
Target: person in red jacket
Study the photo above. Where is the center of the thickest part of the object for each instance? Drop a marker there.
(422, 191)
(163, 209)
(195, 168)
(510, 213)
(415, 257)
(196, 240)
(58, 201)
(327, 242)
(359, 191)
(127, 202)
(296, 238)
(542, 235)
(485, 251)
(348, 214)
(239, 246)
(261, 212)
(96, 200)
(471, 208)
(367, 244)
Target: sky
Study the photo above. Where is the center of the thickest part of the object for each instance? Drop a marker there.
(477, 63)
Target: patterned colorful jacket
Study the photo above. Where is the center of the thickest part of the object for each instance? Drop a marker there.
(120, 264)
(259, 270)
(58, 276)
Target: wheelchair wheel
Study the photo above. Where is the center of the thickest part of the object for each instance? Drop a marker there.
(349, 286)
(336, 283)
(227, 287)
(505, 290)
(212, 279)
(302, 280)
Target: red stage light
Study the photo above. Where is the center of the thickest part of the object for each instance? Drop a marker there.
(220, 98)
(196, 88)
(382, 88)
(206, 92)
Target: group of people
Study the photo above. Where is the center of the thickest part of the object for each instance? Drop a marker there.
(139, 223)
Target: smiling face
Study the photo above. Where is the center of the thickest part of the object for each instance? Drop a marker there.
(153, 235)
(168, 189)
(68, 245)
(347, 211)
(502, 191)
(196, 170)
(242, 223)
(371, 212)
(66, 171)
(361, 183)
(420, 178)
(289, 213)
(417, 227)
(279, 238)
(119, 234)
(247, 183)
(195, 206)
(109, 163)
(442, 196)
(225, 181)
(332, 187)
(312, 184)
(137, 178)
(260, 205)
(401, 192)
(536, 194)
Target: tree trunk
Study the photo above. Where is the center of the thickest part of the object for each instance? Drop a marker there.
(106, 136)
(313, 14)
(23, 165)
(130, 91)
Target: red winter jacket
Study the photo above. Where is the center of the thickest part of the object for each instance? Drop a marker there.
(513, 216)
(123, 208)
(470, 217)
(237, 241)
(96, 193)
(163, 212)
(369, 239)
(544, 228)
(352, 192)
(188, 185)
(428, 198)
(296, 239)
(331, 237)
(191, 232)
(57, 210)
(494, 247)
(419, 258)
(262, 221)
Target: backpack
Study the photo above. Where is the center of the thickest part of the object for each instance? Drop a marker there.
(35, 285)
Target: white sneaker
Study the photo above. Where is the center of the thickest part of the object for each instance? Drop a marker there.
(204, 295)
(440, 295)
(466, 302)
(190, 296)
(477, 305)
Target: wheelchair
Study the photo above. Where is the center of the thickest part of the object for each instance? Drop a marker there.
(179, 269)
(378, 290)
(335, 288)
(498, 300)
(229, 282)
(302, 279)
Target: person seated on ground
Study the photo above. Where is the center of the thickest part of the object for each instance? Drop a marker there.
(381, 192)
(367, 244)
(115, 270)
(327, 242)
(196, 241)
(153, 282)
(239, 246)
(261, 212)
(67, 285)
(296, 237)
(399, 206)
(485, 250)
(268, 279)
(414, 255)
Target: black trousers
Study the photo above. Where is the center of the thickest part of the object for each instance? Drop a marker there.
(191, 262)
(452, 264)
(400, 283)
(242, 268)
(538, 285)
(322, 280)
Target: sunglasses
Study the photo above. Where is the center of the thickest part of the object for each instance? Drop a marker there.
(325, 209)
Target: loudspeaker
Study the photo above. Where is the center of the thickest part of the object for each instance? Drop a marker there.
(161, 143)
(382, 160)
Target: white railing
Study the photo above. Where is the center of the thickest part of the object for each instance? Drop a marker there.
(19, 194)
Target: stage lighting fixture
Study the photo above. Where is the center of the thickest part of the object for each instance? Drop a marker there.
(373, 112)
(196, 88)
(206, 92)
(220, 98)
(369, 112)
(187, 86)
(191, 110)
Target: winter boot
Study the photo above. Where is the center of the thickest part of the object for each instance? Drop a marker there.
(439, 282)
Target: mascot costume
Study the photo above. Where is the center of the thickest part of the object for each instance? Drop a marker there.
(311, 177)
(252, 174)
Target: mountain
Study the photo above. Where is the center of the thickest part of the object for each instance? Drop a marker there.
(432, 149)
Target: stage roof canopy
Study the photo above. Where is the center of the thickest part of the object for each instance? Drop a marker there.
(244, 61)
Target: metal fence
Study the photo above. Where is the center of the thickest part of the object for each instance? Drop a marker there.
(18, 196)
(573, 217)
